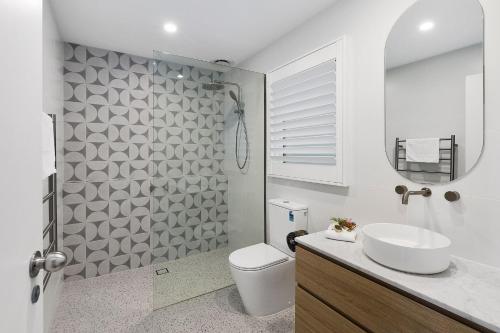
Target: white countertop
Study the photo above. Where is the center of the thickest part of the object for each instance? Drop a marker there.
(467, 288)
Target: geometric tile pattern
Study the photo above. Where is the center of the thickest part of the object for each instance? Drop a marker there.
(189, 197)
(143, 162)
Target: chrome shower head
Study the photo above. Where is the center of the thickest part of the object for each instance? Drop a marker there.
(220, 85)
(213, 86)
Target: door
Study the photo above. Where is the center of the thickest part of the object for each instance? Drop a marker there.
(20, 180)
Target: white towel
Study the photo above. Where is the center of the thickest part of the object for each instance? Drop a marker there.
(344, 235)
(424, 150)
(48, 149)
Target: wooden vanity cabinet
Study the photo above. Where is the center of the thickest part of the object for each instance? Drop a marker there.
(333, 297)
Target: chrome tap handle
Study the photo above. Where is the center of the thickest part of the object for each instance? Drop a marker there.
(401, 189)
(452, 196)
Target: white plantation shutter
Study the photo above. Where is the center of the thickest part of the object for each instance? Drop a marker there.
(304, 118)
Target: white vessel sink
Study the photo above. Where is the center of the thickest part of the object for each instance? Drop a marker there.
(407, 248)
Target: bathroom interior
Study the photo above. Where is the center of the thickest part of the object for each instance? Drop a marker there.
(251, 166)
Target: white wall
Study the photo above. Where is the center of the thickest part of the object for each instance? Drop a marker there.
(427, 99)
(472, 223)
(474, 118)
(53, 60)
(245, 188)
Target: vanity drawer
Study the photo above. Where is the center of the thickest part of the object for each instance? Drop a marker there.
(313, 316)
(370, 305)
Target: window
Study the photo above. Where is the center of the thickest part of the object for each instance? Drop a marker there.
(305, 118)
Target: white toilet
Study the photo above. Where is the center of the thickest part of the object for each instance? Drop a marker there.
(265, 274)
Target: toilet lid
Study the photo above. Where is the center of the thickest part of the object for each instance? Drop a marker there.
(256, 257)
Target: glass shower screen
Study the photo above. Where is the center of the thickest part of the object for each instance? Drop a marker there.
(207, 189)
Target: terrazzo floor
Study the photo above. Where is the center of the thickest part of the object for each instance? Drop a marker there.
(191, 276)
(123, 302)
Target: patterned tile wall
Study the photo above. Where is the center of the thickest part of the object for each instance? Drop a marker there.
(143, 157)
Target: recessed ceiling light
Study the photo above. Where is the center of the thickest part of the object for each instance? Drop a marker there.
(180, 76)
(170, 27)
(426, 26)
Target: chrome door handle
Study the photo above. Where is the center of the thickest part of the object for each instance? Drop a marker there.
(53, 262)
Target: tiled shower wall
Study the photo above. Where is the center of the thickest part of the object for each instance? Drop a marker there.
(143, 157)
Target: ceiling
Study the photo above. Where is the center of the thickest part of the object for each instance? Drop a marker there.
(207, 29)
(458, 24)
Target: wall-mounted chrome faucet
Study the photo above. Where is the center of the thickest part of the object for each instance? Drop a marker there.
(401, 189)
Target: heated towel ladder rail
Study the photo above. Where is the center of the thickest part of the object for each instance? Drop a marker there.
(50, 199)
(451, 158)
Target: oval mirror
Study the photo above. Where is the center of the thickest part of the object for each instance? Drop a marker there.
(434, 83)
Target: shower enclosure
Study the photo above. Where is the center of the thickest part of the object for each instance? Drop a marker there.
(207, 171)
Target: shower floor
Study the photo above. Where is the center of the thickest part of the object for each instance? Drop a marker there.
(192, 276)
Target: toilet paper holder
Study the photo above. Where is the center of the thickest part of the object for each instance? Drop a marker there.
(290, 238)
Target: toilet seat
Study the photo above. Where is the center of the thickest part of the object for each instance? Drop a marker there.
(256, 257)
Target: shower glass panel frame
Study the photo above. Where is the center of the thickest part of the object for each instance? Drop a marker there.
(203, 206)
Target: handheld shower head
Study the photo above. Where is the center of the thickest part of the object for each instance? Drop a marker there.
(233, 96)
(241, 127)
